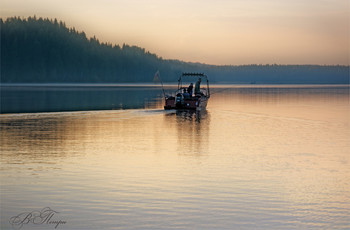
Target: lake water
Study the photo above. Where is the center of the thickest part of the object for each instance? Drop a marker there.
(259, 157)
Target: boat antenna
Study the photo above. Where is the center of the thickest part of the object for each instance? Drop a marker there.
(158, 79)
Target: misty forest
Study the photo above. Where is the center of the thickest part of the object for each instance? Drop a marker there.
(37, 50)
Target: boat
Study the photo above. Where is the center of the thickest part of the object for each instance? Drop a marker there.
(184, 100)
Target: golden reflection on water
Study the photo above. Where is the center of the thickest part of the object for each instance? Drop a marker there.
(301, 139)
(278, 158)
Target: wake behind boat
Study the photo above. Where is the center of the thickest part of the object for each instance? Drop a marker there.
(189, 97)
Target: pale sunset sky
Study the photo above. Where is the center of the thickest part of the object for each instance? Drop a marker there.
(223, 32)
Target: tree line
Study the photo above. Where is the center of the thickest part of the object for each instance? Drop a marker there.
(37, 50)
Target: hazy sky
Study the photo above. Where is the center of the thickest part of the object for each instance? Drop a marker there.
(209, 31)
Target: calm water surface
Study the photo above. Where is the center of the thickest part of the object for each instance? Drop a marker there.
(262, 157)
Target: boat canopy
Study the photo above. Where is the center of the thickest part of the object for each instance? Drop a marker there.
(193, 75)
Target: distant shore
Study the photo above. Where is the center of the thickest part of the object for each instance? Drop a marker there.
(45, 50)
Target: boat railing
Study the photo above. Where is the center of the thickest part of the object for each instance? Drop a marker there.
(204, 91)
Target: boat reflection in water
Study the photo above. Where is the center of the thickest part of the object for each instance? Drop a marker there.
(191, 130)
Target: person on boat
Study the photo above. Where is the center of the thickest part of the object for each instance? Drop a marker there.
(197, 88)
(186, 94)
(190, 89)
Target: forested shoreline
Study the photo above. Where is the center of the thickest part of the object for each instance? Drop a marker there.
(37, 50)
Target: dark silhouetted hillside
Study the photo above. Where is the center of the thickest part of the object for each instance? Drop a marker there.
(36, 50)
